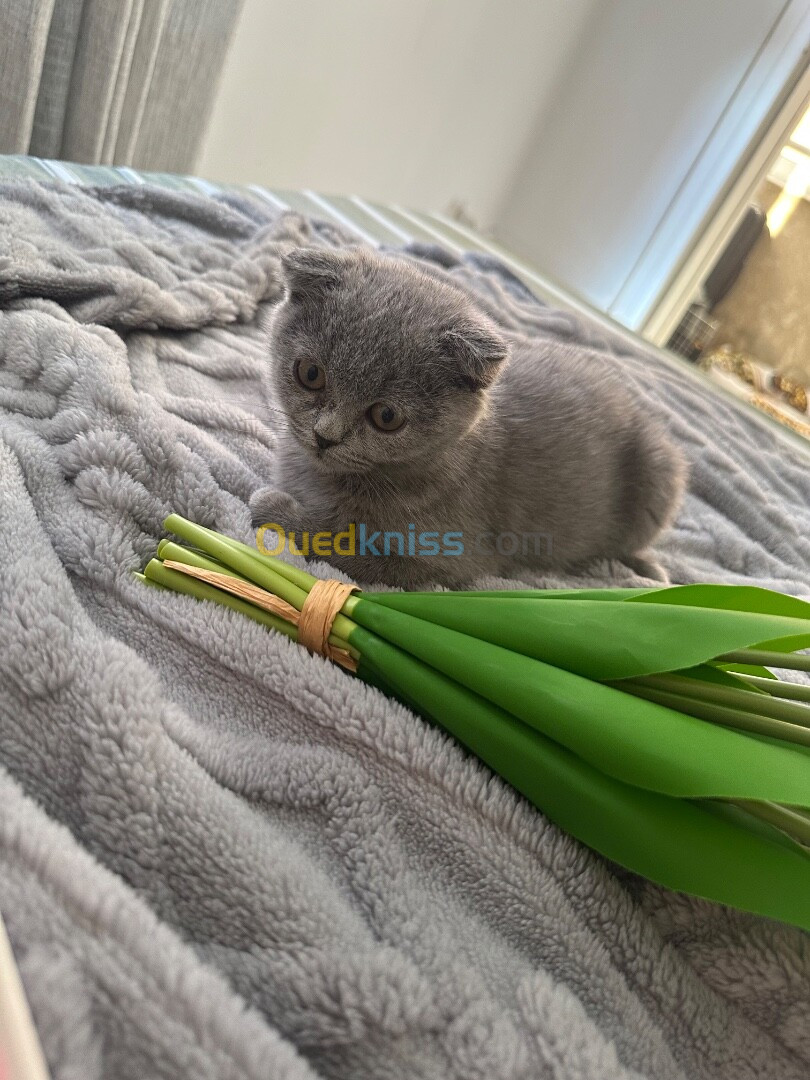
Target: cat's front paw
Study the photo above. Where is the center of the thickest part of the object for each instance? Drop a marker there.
(271, 507)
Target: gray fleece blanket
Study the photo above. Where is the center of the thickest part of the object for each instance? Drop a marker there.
(221, 857)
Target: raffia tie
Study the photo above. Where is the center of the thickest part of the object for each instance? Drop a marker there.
(314, 620)
(321, 608)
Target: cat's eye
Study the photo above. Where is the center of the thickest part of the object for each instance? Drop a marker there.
(385, 417)
(310, 374)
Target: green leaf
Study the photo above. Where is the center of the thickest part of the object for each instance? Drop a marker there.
(713, 705)
(634, 740)
(678, 843)
(541, 594)
(600, 640)
(747, 669)
(729, 598)
(718, 676)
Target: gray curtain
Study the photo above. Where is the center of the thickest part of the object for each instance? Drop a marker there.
(124, 82)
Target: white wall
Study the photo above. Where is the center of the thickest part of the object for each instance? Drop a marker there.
(578, 130)
(423, 102)
(648, 85)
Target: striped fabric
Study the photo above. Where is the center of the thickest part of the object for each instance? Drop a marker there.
(124, 81)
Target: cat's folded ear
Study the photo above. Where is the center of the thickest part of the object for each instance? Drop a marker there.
(479, 351)
(310, 272)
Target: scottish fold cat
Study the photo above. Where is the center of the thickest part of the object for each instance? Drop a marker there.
(422, 444)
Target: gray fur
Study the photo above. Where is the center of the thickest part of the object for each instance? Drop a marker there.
(221, 857)
(535, 453)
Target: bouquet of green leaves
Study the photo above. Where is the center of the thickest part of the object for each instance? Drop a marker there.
(645, 722)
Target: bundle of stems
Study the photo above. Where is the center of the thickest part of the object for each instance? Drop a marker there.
(646, 722)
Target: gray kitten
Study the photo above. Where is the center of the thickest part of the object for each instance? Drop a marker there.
(438, 449)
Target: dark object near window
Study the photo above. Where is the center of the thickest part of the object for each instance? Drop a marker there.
(693, 333)
(728, 266)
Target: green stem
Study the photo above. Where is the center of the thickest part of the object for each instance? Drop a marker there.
(206, 591)
(146, 581)
(225, 551)
(767, 658)
(795, 825)
(751, 702)
(779, 687)
(169, 551)
(298, 577)
(719, 714)
(189, 586)
(177, 553)
(262, 570)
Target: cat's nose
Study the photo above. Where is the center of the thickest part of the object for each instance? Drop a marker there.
(324, 443)
(328, 429)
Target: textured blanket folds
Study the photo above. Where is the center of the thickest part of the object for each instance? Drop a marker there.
(221, 857)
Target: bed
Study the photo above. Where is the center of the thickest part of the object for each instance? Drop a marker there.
(221, 857)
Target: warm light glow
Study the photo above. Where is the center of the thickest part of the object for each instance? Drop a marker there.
(780, 212)
(794, 191)
(789, 153)
(801, 135)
